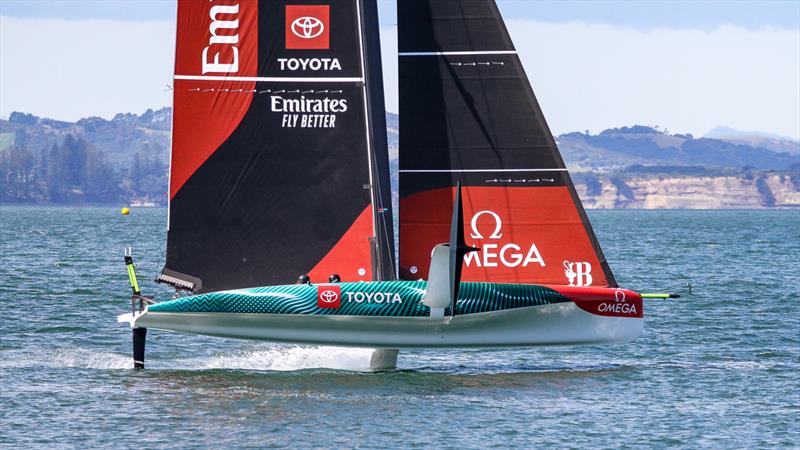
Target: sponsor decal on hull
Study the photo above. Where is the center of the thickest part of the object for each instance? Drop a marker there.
(374, 297)
(609, 302)
(329, 296)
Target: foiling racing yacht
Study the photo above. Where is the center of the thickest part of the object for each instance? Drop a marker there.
(280, 170)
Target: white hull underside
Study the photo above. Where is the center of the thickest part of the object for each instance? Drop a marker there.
(554, 324)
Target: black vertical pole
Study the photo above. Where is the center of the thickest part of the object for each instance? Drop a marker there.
(383, 261)
(139, 335)
(458, 249)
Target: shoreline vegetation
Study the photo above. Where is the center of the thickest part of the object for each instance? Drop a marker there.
(124, 161)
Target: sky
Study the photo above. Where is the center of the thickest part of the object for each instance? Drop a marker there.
(684, 66)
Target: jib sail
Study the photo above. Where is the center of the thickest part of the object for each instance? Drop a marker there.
(279, 165)
(468, 113)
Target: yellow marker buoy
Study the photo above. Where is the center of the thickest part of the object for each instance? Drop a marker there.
(125, 211)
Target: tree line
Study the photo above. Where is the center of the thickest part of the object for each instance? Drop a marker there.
(74, 171)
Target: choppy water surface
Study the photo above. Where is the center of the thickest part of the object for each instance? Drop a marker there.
(719, 368)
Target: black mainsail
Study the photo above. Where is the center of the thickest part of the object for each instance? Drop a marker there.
(468, 114)
(279, 159)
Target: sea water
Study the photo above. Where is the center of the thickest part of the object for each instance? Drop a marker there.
(719, 367)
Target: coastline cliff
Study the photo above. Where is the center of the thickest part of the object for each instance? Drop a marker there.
(94, 160)
(693, 192)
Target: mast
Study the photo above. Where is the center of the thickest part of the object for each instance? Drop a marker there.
(382, 243)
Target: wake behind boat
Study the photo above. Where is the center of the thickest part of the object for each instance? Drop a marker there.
(280, 169)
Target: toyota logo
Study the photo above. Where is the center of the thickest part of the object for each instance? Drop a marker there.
(328, 296)
(307, 27)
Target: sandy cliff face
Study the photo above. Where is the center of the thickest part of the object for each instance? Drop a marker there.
(785, 192)
(684, 192)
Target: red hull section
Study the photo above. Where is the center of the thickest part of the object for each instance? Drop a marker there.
(526, 235)
(610, 302)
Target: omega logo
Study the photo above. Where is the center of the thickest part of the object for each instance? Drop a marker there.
(498, 224)
(500, 254)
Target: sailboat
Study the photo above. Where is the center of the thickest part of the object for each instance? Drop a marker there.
(280, 216)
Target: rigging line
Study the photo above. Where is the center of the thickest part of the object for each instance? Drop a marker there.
(382, 209)
(386, 236)
(384, 219)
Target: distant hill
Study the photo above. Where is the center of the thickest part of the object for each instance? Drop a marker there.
(617, 148)
(756, 139)
(98, 160)
(726, 132)
(92, 160)
(120, 138)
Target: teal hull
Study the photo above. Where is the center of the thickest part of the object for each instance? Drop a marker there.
(391, 315)
(384, 299)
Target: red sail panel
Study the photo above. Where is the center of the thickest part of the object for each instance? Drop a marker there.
(350, 258)
(214, 41)
(526, 235)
